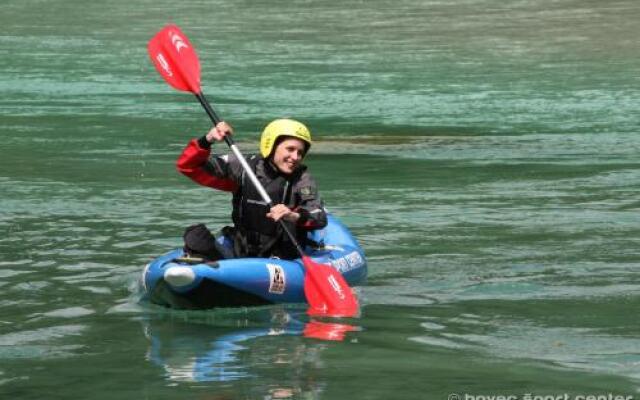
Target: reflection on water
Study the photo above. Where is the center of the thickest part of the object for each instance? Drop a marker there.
(200, 347)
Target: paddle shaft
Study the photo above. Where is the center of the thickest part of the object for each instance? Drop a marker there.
(247, 169)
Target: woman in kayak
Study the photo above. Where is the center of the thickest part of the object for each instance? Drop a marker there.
(256, 231)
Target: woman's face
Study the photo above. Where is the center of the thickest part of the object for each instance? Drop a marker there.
(288, 155)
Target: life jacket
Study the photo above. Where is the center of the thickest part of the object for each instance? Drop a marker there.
(255, 234)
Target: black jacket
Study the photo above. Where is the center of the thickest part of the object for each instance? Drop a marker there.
(254, 233)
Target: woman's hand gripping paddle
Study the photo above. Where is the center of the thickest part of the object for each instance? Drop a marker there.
(328, 294)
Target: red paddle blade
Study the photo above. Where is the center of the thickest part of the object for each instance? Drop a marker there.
(327, 292)
(175, 59)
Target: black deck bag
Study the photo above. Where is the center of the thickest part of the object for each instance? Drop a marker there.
(199, 242)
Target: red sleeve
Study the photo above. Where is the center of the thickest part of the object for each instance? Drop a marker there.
(193, 162)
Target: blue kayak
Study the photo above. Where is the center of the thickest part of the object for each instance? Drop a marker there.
(175, 281)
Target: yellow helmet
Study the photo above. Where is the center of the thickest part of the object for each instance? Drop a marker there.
(282, 127)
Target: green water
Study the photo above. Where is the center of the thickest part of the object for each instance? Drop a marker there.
(483, 152)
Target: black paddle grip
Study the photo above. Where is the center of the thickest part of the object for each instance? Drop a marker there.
(212, 114)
